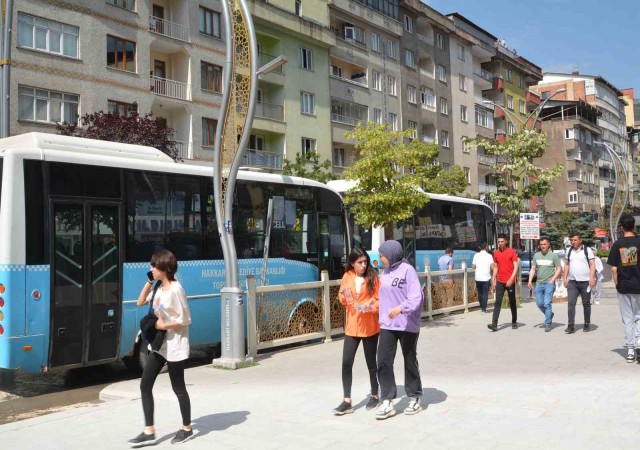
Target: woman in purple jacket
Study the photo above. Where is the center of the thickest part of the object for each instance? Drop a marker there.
(400, 314)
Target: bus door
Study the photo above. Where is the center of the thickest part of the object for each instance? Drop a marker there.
(332, 245)
(86, 300)
(409, 240)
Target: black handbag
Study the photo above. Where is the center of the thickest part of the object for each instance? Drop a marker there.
(148, 322)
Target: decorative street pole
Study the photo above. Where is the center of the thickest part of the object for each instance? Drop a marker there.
(232, 135)
(621, 192)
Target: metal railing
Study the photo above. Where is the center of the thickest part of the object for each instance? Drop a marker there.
(485, 188)
(574, 155)
(170, 88)
(184, 149)
(268, 111)
(484, 75)
(260, 158)
(265, 58)
(428, 140)
(344, 119)
(281, 315)
(169, 29)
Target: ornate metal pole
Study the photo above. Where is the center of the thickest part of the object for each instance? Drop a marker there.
(621, 192)
(232, 136)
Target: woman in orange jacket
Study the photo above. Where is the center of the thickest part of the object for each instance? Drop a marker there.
(359, 295)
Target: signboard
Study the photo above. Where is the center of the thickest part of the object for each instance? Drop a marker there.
(529, 226)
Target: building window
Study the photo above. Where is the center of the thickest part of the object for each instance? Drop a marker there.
(408, 24)
(445, 166)
(509, 75)
(209, 22)
(305, 59)
(391, 49)
(347, 112)
(444, 106)
(375, 42)
(569, 133)
(298, 8)
(442, 73)
(47, 106)
(484, 117)
(521, 106)
(126, 4)
(122, 108)
(521, 84)
(393, 121)
(377, 80)
(308, 146)
(465, 146)
(440, 41)
(338, 157)
(410, 59)
(47, 35)
(307, 103)
(335, 71)
(462, 82)
(467, 174)
(121, 54)
(512, 128)
(413, 126)
(377, 115)
(573, 197)
(412, 94)
(463, 113)
(444, 138)
(427, 97)
(461, 54)
(256, 142)
(210, 77)
(391, 85)
(209, 132)
(353, 33)
(510, 102)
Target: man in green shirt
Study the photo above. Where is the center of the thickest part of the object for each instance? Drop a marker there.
(547, 265)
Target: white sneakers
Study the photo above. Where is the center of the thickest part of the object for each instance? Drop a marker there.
(387, 409)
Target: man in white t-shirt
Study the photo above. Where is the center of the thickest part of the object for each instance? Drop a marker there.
(482, 263)
(579, 279)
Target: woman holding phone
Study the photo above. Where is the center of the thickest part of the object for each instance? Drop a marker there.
(170, 305)
(359, 295)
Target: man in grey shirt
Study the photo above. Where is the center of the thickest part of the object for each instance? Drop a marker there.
(547, 265)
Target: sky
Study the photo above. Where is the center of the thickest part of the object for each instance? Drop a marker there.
(595, 37)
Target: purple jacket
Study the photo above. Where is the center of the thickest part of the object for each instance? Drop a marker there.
(401, 286)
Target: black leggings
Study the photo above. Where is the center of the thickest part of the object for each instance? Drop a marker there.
(386, 355)
(369, 344)
(176, 375)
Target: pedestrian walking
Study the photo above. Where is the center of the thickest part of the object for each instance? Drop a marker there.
(401, 300)
(170, 305)
(359, 295)
(579, 279)
(597, 290)
(482, 263)
(445, 287)
(546, 265)
(505, 271)
(625, 271)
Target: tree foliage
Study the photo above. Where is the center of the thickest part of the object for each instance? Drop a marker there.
(513, 168)
(567, 223)
(130, 129)
(393, 174)
(308, 165)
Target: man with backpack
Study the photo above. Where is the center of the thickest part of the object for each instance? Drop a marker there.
(579, 279)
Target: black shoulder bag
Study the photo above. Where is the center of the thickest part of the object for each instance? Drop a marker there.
(148, 322)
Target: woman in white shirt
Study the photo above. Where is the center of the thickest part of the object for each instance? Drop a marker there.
(170, 305)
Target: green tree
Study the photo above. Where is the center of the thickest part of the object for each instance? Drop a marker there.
(452, 182)
(392, 174)
(513, 168)
(308, 165)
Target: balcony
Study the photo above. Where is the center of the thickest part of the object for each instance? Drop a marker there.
(533, 98)
(184, 149)
(487, 188)
(268, 111)
(499, 113)
(262, 159)
(575, 178)
(480, 101)
(498, 83)
(169, 29)
(428, 140)
(483, 78)
(605, 164)
(170, 88)
(491, 160)
(574, 155)
(265, 58)
(501, 136)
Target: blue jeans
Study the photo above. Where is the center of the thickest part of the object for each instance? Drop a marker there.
(544, 297)
(483, 293)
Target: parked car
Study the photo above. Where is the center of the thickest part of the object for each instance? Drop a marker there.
(525, 263)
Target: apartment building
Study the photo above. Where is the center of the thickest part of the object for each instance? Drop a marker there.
(572, 129)
(604, 96)
(76, 57)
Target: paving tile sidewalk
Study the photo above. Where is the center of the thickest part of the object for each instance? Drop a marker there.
(512, 389)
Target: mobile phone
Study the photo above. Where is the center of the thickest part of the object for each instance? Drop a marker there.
(150, 276)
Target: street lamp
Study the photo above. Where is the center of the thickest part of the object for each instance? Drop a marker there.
(618, 204)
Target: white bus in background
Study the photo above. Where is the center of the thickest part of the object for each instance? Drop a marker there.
(445, 221)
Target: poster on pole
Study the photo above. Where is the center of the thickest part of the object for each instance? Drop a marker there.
(529, 226)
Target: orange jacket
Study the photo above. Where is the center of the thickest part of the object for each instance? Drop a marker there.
(359, 323)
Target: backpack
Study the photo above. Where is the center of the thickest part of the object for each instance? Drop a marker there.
(586, 255)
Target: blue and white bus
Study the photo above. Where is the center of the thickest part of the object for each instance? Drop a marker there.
(445, 221)
(80, 218)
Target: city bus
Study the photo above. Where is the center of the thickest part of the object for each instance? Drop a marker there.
(80, 219)
(445, 221)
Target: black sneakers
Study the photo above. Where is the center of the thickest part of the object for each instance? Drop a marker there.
(182, 436)
(372, 403)
(143, 440)
(587, 327)
(570, 329)
(343, 408)
(514, 326)
(492, 327)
